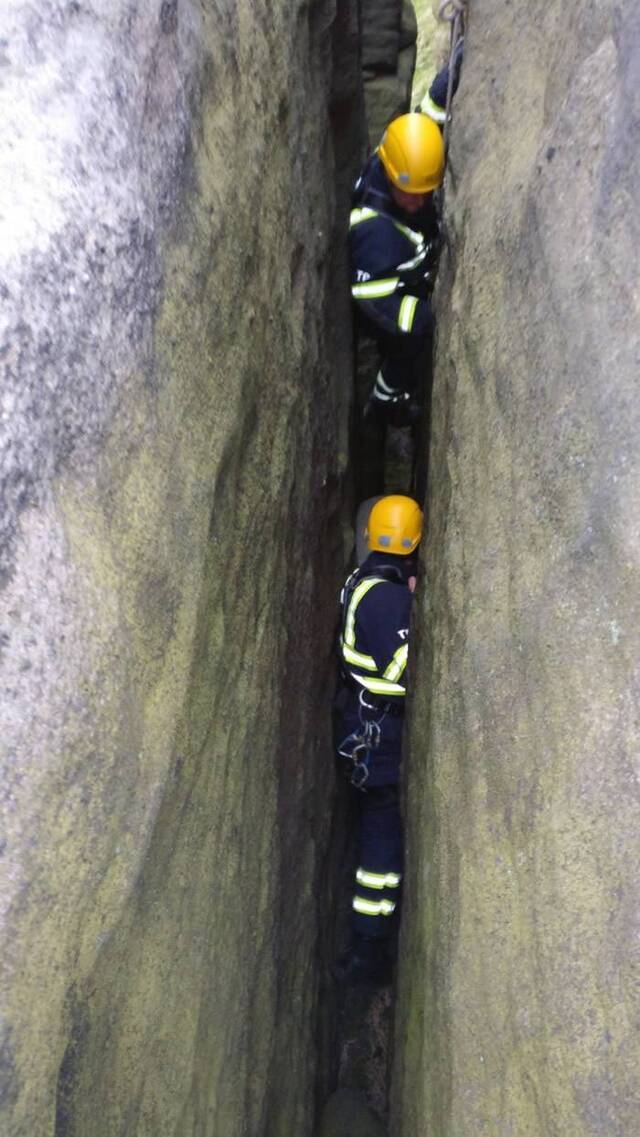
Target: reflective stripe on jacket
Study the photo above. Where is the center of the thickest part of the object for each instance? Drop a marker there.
(383, 243)
(381, 248)
(374, 641)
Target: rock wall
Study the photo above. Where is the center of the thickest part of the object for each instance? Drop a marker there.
(433, 44)
(173, 446)
(518, 1001)
(388, 56)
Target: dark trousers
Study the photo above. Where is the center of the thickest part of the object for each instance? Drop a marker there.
(379, 865)
(405, 360)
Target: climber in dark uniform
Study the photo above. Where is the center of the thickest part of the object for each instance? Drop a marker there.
(394, 245)
(374, 643)
(434, 102)
(393, 232)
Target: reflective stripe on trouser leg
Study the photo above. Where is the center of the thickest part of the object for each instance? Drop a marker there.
(379, 874)
(366, 907)
(386, 394)
(375, 900)
(378, 880)
(376, 892)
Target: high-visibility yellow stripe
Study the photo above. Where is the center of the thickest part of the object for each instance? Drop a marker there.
(431, 108)
(357, 216)
(407, 312)
(364, 213)
(415, 261)
(416, 238)
(398, 663)
(357, 658)
(358, 593)
(383, 388)
(378, 879)
(379, 686)
(382, 907)
(387, 684)
(374, 289)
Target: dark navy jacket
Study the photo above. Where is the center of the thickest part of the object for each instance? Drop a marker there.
(381, 628)
(383, 237)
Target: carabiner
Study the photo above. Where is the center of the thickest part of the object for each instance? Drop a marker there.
(359, 775)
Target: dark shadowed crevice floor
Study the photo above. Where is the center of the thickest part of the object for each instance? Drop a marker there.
(362, 1016)
(365, 1021)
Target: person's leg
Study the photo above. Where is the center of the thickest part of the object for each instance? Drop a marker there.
(404, 359)
(398, 389)
(379, 869)
(376, 889)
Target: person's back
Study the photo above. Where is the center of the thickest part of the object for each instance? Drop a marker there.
(375, 633)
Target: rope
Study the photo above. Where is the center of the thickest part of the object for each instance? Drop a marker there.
(452, 12)
(448, 9)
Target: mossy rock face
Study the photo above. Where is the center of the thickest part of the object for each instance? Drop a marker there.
(433, 45)
(173, 453)
(517, 1008)
(388, 58)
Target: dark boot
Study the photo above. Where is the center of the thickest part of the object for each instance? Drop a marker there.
(392, 405)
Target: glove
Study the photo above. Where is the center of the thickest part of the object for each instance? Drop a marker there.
(418, 276)
(421, 288)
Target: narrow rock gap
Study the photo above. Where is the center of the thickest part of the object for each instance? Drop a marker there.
(356, 1027)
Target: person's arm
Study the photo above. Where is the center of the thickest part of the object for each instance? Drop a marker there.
(400, 312)
(434, 103)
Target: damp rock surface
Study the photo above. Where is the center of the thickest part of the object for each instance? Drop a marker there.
(518, 1000)
(173, 409)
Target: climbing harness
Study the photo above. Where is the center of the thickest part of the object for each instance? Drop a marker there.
(358, 746)
(454, 13)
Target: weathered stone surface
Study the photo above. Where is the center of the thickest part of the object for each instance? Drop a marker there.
(388, 74)
(379, 14)
(408, 25)
(172, 416)
(380, 49)
(518, 1003)
(386, 97)
(433, 46)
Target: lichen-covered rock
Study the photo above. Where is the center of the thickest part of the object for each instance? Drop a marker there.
(173, 442)
(380, 33)
(387, 66)
(519, 1005)
(432, 46)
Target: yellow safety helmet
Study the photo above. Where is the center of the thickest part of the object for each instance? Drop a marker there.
(394, 525)
(412, 153)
